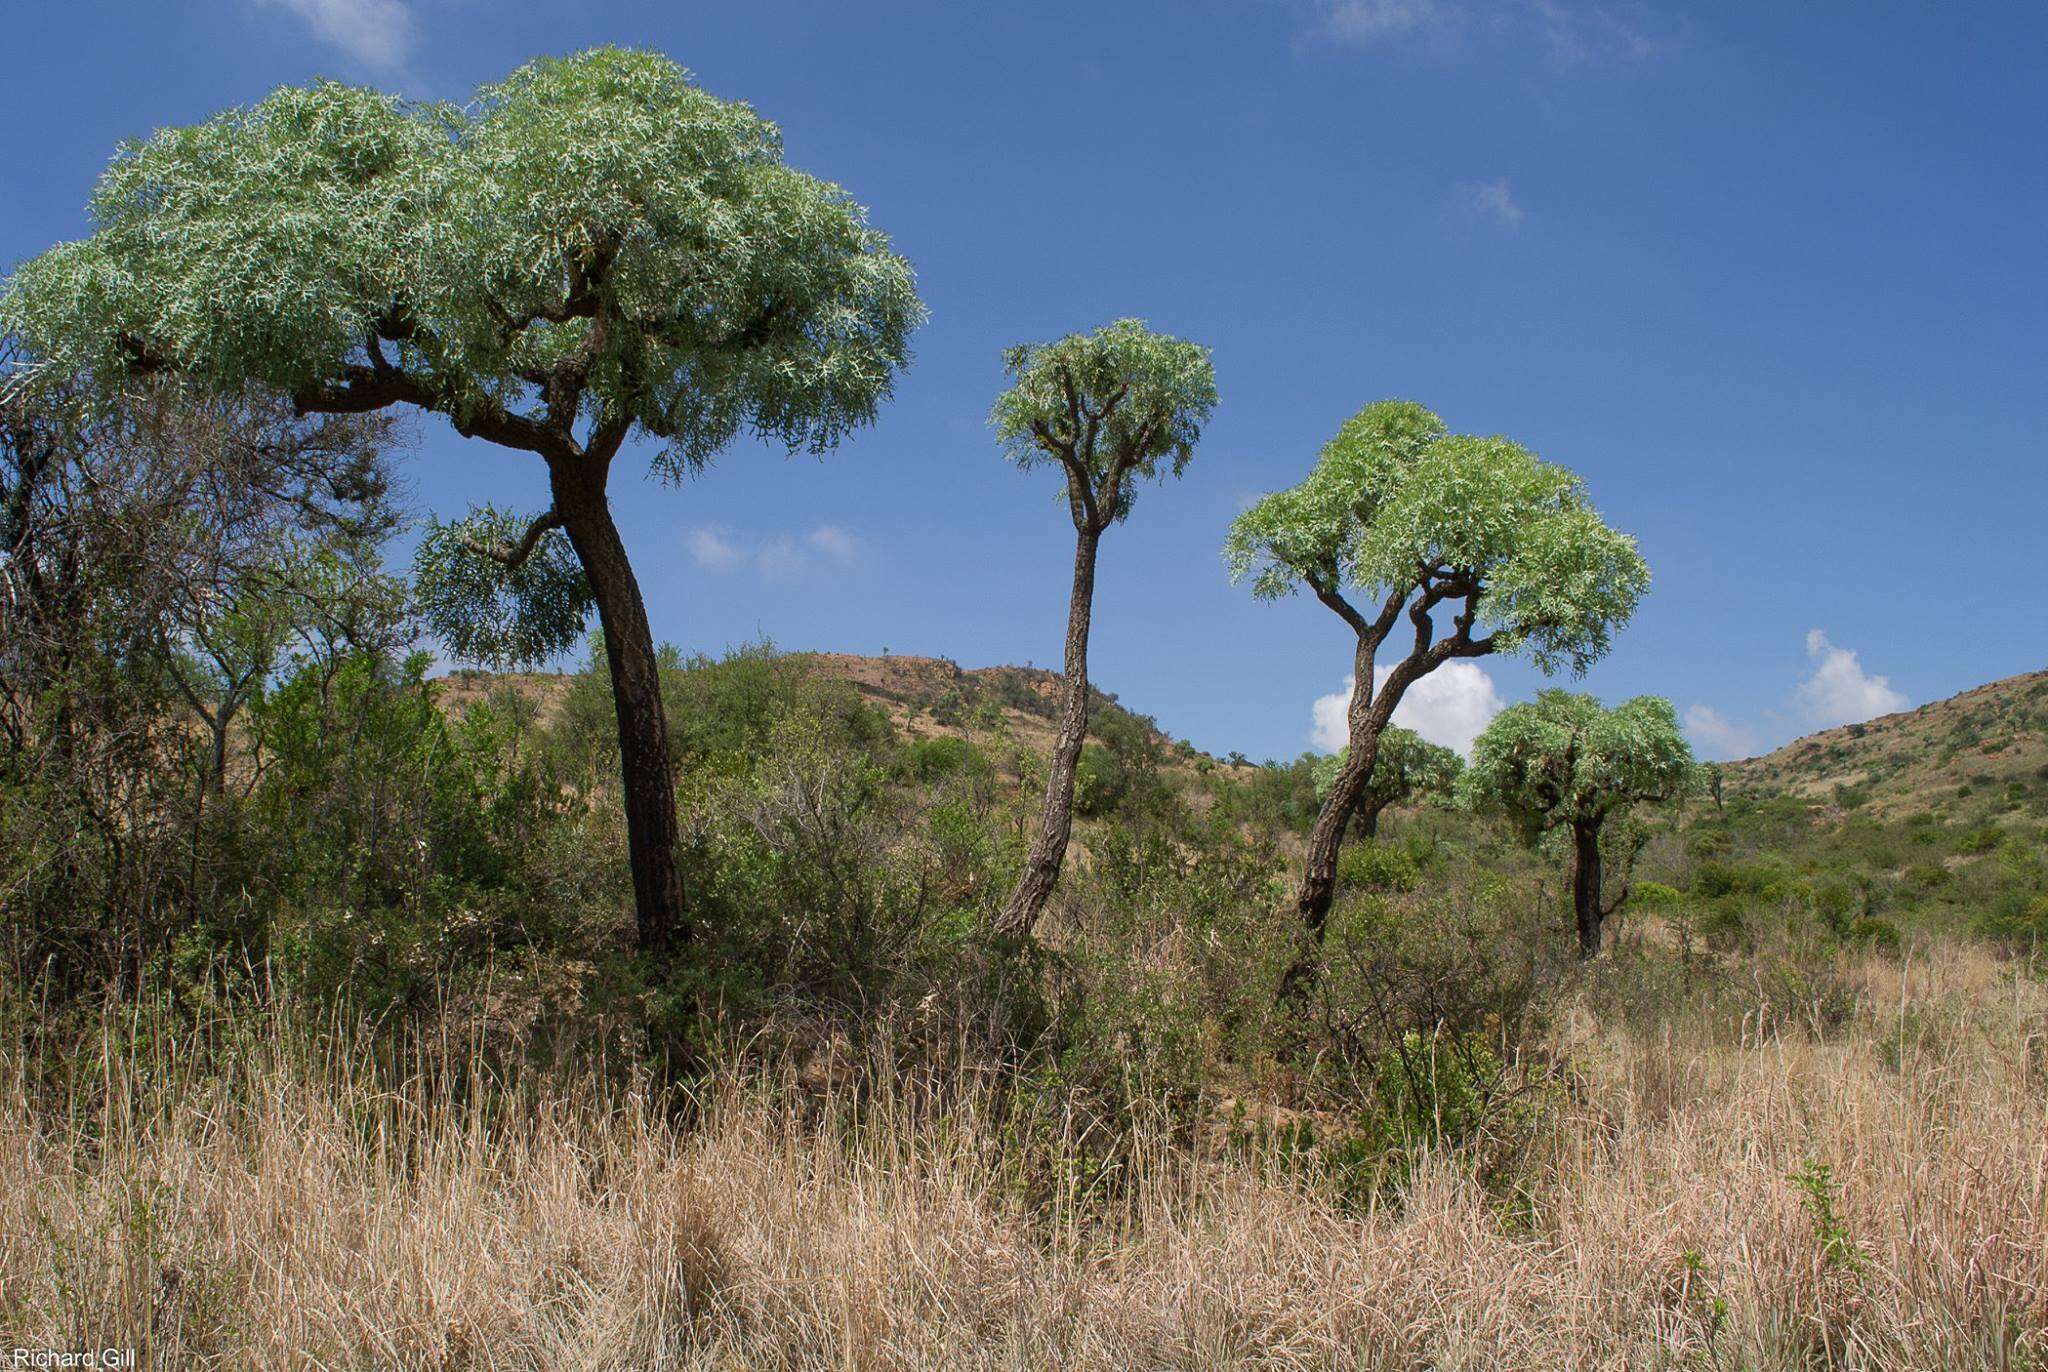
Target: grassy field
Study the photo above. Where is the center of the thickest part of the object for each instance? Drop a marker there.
(1860, 1182)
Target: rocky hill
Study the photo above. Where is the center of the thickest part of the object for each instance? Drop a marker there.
(1991, 737)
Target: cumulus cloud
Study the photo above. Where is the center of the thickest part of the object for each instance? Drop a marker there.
(780, 556)
(1717, 736)
(1494, 202)
(1450, 706)
(1840, 691)
(376, 33)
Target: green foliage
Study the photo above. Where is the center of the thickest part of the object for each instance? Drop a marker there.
(1407, 766)
(1820, 1194)
(329, 232)
(937, 759)
(491, 613)
(1395, 496)
(1379, 867)
(1110, 406)
(1564, 759)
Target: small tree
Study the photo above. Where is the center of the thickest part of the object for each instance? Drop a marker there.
(593, 249)
(1403, 519)
(1108, 408)
(1562, 762)
(1408, 766)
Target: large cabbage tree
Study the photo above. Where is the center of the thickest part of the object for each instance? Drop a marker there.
(592, 250)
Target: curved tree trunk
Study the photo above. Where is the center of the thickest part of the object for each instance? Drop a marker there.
(644, 770)
(1318, 888)
(1586, 886)
(1056, 822)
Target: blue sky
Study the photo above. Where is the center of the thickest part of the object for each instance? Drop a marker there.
(1769, 276)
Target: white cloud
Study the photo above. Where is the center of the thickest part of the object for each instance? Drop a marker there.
(1365, 21)
(1451, 706)
(1569, 33)
(1715, 734)
(781, 556)
(1840, 691)
(834, 542)
(1495, 201)
(376, 33)
(713, 549)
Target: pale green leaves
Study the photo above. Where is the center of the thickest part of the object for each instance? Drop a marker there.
(1564, 759)
(598, 206)
(1396, 501)
(257, 246)
(1406, 765)
(488, 612)
(1110, 406)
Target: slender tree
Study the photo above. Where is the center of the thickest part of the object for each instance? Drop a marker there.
(1403, 520)
(593, 249)
(1108, 408)
(1407, 766)
(1562, 762)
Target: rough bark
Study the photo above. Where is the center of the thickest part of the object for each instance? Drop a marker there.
(645, 773)
(1056, 820)
(1586, 886)
(1318, 888)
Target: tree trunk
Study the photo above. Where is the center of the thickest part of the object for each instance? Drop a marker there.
(644, 770)
(1318, 888)
(1368, 821)
(1056, 823)
(1586, 885)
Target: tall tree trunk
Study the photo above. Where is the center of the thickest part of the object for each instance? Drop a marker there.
(1586, 886)
(644, 770)
(1318, 888)
(1056, 822)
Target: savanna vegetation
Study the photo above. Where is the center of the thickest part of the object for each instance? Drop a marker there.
(779, 1010)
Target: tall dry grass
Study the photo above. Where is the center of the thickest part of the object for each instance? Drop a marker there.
(276, 1206)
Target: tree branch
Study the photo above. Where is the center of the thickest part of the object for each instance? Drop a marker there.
(514, 557)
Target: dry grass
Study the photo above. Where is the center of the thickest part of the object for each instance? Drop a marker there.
(291, 1212)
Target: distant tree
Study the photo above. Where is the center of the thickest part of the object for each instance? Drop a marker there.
(592, 249)
(1402, 519)
(1407, 766)
(1108, 408)
(1564, 763)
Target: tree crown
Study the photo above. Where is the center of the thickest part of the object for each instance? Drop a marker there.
(1397, 504)
(1563, 758)
(1407, 764)
(595, 241)
(1108, 406)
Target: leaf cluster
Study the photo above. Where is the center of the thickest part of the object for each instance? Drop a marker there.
(1564, 759)
(1398, 505)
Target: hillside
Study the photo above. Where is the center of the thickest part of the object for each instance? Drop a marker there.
(924, 697)
(1991, 737)
(1988, 738)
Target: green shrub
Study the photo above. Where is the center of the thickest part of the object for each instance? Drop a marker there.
(936, 759)
(1981, 840)
(1377, 867)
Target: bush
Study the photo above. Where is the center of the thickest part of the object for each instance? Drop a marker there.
(1981, 840)
(1376, 867)
(936, 759)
